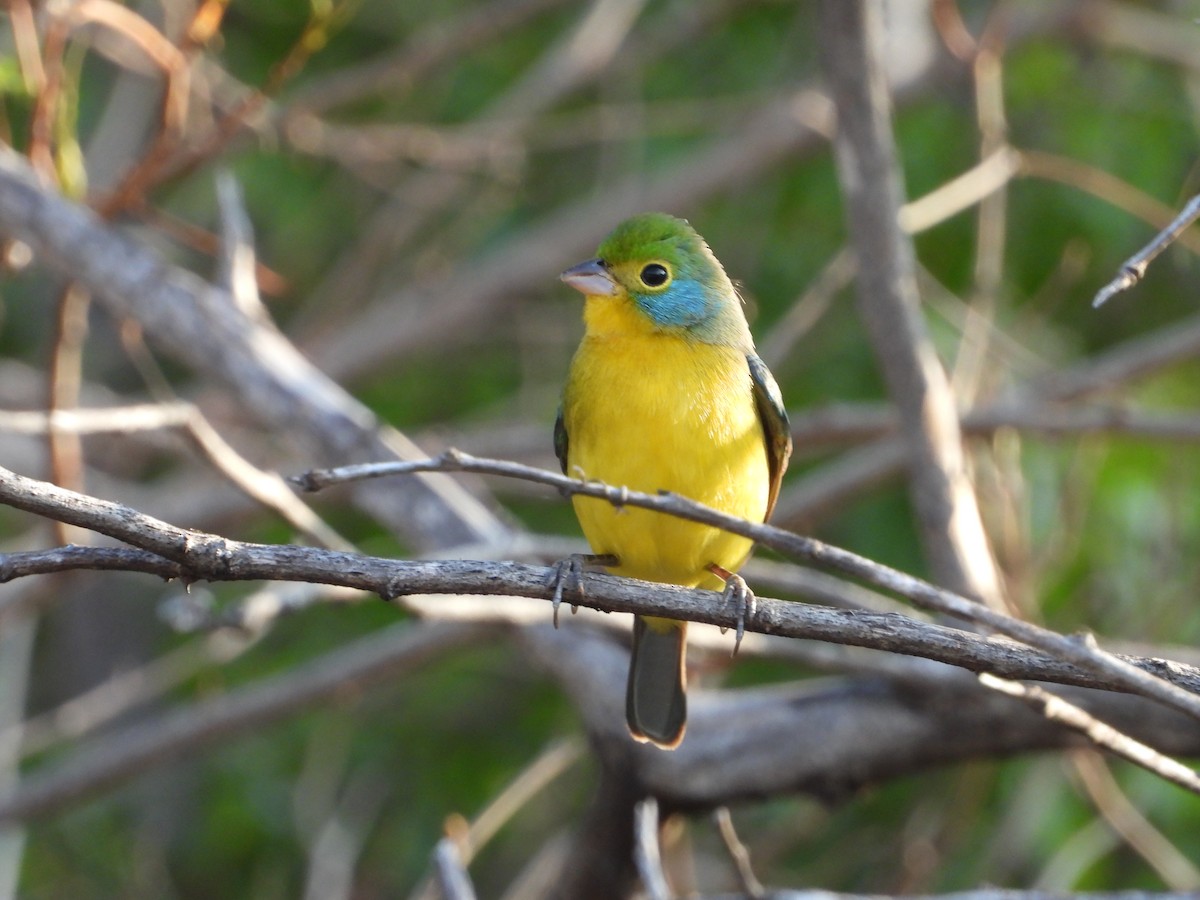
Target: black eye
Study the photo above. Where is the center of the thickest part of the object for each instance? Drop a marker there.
(655, 275)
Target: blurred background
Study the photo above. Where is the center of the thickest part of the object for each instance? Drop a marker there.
(416, 176)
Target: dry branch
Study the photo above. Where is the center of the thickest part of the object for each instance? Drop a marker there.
(944, 499)
(1134, 268)
(1035, 405)
(1102, 735)
(888, 632)
(204, 327)
(825, 738)
(198, 555)
(647, 854)
(169, 552)
(1078, 650)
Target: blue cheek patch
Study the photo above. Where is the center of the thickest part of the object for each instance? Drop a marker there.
(684, 303)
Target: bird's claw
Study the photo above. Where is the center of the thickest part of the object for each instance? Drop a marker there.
(570, 570)
(745, 604)
(566, 570)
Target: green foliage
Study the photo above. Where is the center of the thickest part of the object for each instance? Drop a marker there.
(1107, 525)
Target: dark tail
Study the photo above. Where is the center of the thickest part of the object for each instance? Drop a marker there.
(655, 698)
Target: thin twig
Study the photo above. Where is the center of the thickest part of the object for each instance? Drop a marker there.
(551, 763)
(1134, 269)
(646, 853)
(337, 843)
(1124, 817)
(238, 258)
(1106, 186)
(26, 43)
(71, 557)
(66, 377)
(126, 690)
(397, 72)
(1119, 366)
(855, 423)
(451, 874)
(128, 419)
(1099, 733)
(738, 853)
(174, 62)
(983, 180)
(260, 485)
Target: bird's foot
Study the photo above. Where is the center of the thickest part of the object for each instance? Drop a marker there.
(738, 593)
(570, 571)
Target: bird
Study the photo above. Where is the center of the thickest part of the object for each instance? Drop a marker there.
(666, 393)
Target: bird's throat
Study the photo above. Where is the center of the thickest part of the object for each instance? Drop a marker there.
(615, 317)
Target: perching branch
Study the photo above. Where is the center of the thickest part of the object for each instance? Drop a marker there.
(170, 552)
(194, 555)
(886, 632)
(1081, 652)
(200, 555)
(217, 558)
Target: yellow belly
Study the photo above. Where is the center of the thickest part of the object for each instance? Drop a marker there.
(655, 412)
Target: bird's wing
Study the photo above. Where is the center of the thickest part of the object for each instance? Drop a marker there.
(561, 440)
(774, 421)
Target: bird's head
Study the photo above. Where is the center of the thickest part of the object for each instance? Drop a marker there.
(654, 272)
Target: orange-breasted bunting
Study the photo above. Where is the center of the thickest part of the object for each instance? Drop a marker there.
(666, 393)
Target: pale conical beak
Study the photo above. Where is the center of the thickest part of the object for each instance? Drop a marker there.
(590, 278)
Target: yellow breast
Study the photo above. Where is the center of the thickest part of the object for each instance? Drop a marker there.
(655, 411)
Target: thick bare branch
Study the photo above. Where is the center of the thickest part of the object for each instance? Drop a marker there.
(944, 499)
(827, 739)
(203, 326)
